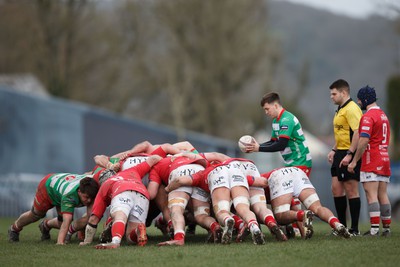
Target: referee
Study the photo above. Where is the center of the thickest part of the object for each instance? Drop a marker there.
(345, 127)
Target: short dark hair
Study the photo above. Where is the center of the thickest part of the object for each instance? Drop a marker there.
(89, 186)
(340, 85)
(270, 98)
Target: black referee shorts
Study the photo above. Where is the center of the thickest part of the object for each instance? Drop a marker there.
(342, 173)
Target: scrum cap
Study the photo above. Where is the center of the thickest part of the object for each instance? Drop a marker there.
(105, 174)
(367, 96)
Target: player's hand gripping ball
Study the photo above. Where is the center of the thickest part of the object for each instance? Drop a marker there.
(243, 141)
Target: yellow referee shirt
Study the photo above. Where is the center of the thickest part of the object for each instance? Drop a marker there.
(345, 122)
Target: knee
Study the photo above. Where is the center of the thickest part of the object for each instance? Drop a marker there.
(222, 206)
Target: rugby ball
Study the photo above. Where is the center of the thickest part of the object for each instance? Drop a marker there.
(245, 139)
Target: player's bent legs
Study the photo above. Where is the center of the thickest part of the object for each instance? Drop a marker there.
(264, 214)
(55, 223)
(136, 227)
(177, 201)
(117, 230)
(202, 213)
(203, 218)
(119, 219)
(162, 203)
(136, 233)
(311, 200)
(281, 208)
(241, 201)
(164, 222)
(221, 198)
(29, 217)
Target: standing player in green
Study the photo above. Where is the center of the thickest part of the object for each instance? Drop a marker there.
(287, 137)
(345, 128)
(65, 191)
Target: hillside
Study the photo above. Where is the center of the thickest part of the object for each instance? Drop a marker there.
(360, 51)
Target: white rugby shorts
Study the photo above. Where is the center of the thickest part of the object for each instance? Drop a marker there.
(373, 177)
(288, 180)
(133, 204)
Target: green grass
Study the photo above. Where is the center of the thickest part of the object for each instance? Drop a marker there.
(322, 250)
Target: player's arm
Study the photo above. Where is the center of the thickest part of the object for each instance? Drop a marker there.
(90, 230)
(274, 145)
(331, 154)
(185, 146)
(362, 145)
(67, 219)
(143, 147)
(187, 154)
(152, 188)
(178, 182)
(104, 161)
(350, 152)
(77, 225)
(215, 156)
(170, 149)
(257, 181)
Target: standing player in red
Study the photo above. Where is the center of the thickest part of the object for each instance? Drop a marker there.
(375, 173)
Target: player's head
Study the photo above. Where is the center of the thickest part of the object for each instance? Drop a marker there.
(270, 98)
(87, 190)
(271, 104)
(105, 174)
(366, 96)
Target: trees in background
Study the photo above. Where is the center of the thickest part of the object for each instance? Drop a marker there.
(198, 65)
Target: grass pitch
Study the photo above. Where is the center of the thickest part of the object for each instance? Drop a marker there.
(322, 250)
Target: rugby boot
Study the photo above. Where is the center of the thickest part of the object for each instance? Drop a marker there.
(278, 233)
(44, 230)
(307, 224)
(141, 235)
(227, 231)
(244, 231)
(342, 231)
(13, 236)
(106, 236)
